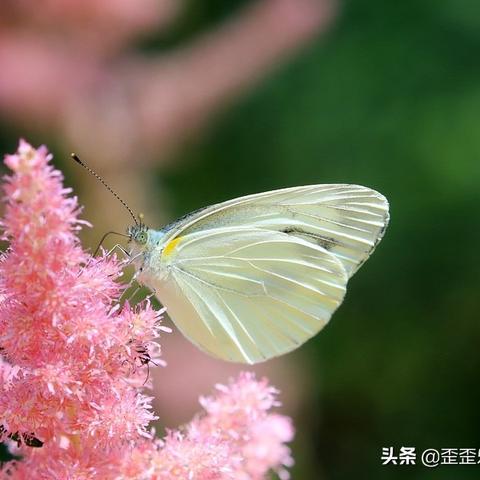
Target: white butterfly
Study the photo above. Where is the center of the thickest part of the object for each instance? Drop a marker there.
(255, 277)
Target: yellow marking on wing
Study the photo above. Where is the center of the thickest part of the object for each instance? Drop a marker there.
(170, 247)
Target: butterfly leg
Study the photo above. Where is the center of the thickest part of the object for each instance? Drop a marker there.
(116, 246)
(132, 295)
(119, 247)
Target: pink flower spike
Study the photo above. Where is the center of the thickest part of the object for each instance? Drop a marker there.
(69, 380)
(74, 361)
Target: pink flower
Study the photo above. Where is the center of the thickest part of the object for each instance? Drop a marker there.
(240, 415)
(235, 438)
(75, 359)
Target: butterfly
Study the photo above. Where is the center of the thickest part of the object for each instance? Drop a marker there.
(255, 277)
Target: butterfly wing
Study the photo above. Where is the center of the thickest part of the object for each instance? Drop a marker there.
(248, 294)
(346, 220)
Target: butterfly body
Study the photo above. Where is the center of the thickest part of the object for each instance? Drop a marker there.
(255, 277)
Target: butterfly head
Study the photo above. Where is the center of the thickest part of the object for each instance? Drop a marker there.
(144, 241)
(138, 234)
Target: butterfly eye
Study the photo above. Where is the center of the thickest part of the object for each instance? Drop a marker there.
(142, 238)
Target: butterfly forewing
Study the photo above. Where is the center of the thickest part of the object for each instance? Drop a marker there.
(346, 220)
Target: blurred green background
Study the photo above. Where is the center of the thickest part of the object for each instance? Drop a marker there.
(390, 99)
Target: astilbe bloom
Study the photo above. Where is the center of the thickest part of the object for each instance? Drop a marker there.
(73, 363)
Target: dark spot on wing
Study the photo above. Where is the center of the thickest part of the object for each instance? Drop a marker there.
(325, 242)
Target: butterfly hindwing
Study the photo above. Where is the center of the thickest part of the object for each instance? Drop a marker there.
(248, 294)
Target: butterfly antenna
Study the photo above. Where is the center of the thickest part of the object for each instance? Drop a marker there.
(99, 178)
